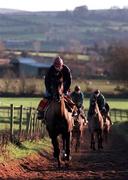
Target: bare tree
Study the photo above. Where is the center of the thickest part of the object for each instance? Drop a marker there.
(118, 59)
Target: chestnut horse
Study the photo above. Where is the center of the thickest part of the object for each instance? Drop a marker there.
(95, 125)
(59, 122)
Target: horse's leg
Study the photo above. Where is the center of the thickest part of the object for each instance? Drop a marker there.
(78, 137)
(72, 140)
(105, 134)
(106, 131)
(100, 139)
(64, 155)
(56, 149)
(92, 141)
(63, 141)
(67, 149)
(77, 143)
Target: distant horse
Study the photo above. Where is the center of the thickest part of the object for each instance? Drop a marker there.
(59, 122)
(95, 124)
(77, 132)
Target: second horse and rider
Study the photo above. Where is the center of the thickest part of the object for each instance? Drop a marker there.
(59, 70)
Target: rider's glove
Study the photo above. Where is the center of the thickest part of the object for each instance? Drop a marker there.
(103, 110)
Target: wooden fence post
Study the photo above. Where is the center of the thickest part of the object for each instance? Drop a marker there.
(28, 120)
(115, 114)
(11, 122)
(121, 114)
(20, 120)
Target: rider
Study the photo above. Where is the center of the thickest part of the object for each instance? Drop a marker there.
(78, 98)
(57, 69)
(102, 104)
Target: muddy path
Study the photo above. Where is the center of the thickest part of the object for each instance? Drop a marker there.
(110, 163)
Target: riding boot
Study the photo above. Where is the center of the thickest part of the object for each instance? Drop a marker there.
(109, 120)
(68, 107)
(40, 115)
(74, 113)
(41, 109)
(69, 103)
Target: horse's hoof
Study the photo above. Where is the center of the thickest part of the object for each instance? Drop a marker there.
(70, 157)
(64, 157)
(67, 164)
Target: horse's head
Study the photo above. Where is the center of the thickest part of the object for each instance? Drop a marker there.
(57, 89)
(93, 105)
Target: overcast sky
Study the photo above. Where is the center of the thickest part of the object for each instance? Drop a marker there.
(49, 5)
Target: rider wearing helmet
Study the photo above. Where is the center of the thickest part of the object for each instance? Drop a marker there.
(78, 98)
(100, 99)
(58, 69)
(102, 104)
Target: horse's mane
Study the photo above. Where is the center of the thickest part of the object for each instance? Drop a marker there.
(96, 112)
(58, 114)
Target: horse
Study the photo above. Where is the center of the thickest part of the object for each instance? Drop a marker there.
(77, 132)
(59, 122)
(95, 125)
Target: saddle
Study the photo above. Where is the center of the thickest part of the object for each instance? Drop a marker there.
(41, 108)
(43, 104)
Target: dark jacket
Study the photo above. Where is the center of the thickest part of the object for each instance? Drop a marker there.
(100, 100)
(77, 98)
(52, 74)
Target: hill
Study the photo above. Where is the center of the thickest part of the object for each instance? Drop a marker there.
(62, 30)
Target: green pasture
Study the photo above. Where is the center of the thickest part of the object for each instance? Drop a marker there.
(118, 103)
(114, 103)
(33, 102)
(26, 102)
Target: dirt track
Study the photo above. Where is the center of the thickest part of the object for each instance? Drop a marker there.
(110, 163)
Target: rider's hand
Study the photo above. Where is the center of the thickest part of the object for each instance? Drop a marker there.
(103, 110)
(65, 93)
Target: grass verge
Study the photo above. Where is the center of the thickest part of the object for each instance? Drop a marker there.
(26, 148)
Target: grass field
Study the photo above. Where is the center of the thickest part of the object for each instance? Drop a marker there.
(33, 102)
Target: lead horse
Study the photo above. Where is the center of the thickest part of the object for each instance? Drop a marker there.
(59, 122)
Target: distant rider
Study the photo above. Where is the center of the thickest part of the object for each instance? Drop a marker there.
(78, 98)
(102, 104)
